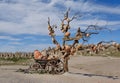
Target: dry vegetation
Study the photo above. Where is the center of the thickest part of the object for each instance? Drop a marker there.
(85, 50)
(7, 58)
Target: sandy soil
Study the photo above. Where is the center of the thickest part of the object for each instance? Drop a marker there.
(82, 69)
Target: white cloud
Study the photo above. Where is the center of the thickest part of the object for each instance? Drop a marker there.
(7, 48)
(25, 48)
(112, 10)
(91, 7)
(9, 38)
(16, 43)
(114, 25)
(26, 17)
(38, 46)
(30, 17)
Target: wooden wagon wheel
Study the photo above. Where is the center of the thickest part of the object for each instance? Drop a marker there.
(49, 67)
(35, 67)
(55, 67)
(59, 67)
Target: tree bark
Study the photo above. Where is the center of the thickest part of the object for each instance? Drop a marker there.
(66, 64)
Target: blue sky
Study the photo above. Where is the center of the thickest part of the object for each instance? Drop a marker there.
(23, 23)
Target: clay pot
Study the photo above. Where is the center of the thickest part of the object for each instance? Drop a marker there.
(67, 48)
(49, 27)
(37, 54)
(51, 34)
(50, 57)
(67, 34)
(73, 50)
(58, 45)
(79, 46)
(63, 47)
(65, 18)
(114, 44)
(62, 30)
(68, 20)
(87, 35)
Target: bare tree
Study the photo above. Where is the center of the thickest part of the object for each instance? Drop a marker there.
(66, 49)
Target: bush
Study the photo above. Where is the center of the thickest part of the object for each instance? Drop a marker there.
(14, 59)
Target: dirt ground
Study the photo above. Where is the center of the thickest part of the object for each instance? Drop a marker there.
(82, 69)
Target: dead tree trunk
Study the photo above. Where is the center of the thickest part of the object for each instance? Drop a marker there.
(65, 26)
(66, 64)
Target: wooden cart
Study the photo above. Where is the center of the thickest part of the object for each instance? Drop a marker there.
(52, 66)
